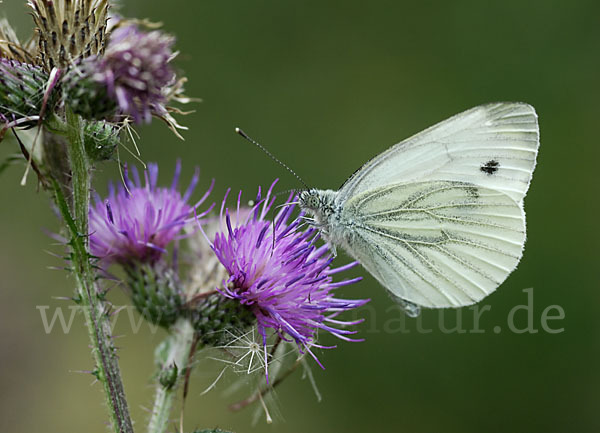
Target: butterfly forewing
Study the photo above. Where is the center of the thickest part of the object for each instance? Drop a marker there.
(493, 145)
(436, 243)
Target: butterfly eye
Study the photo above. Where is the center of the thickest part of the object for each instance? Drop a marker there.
(309, 199)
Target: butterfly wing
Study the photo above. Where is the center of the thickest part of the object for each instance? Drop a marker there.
(436, 243)
(493, 145)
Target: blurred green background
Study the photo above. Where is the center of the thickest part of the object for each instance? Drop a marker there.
(325, 86)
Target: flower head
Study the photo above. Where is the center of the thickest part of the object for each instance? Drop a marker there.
(277, 271)
(69, 29)
(137, 222)
(135, 71)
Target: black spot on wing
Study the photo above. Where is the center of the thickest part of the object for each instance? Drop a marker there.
(490, 167)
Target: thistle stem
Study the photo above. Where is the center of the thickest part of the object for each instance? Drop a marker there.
(174, 368)
(92, 301)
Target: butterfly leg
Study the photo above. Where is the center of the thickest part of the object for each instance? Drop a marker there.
(313, 222)
(307, 219)
(333, 250)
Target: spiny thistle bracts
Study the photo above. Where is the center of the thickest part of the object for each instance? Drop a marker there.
(68, 30)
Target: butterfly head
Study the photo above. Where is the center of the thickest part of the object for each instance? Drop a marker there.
(310, 199)
(318, 202)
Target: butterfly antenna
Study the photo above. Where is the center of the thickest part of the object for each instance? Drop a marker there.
(287, 191)
(270, 155)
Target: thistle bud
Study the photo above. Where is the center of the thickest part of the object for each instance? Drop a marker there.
(168, 377)
(85, 95)
(101, 139)
(216, 318)
(22, 89)
(156, 293)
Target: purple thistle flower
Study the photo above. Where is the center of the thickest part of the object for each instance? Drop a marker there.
(287, 283)
(137, 222)
(136, 72)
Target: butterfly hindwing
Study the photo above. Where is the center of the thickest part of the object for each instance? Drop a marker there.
(436, 243)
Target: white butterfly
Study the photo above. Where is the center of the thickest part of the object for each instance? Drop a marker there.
(438, 218)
